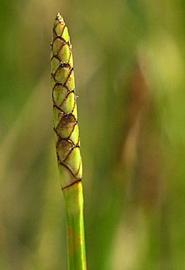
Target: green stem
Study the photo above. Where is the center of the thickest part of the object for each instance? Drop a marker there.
(75, 227)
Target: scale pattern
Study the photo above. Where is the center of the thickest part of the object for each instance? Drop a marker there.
(64, 106)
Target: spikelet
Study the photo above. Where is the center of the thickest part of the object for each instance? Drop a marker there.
(64, 106)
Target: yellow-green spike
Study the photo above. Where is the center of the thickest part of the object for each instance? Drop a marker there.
(67, 141)
(64, 102)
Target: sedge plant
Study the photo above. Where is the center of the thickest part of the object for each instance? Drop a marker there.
(66, 130)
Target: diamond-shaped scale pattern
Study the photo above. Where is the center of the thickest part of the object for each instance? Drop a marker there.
(64, 105)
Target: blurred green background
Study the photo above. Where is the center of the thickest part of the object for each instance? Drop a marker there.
(129, 65)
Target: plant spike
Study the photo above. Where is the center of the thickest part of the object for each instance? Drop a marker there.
(67, 141)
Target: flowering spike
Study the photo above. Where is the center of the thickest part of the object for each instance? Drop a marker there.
(64, 106)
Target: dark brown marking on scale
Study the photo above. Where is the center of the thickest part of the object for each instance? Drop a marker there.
(72, 91)
(65, 166)
(66, 147)
(68, 93)
(55, 36)
(71, 70)
(78, 168)
(59, 109)
(62, 39)
(68, 154)
(54, 30)
(66, 140)
(52, 75)
(56, 55)
(72, 184)
(60, 84)
(78, 142)
(62, 65)
(65, 120)
(74, 105)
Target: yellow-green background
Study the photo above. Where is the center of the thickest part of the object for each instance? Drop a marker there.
(129, 66)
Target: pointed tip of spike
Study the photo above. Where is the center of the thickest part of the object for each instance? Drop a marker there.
(59, 18)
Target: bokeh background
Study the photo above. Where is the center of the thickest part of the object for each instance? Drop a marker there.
(129, 66)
